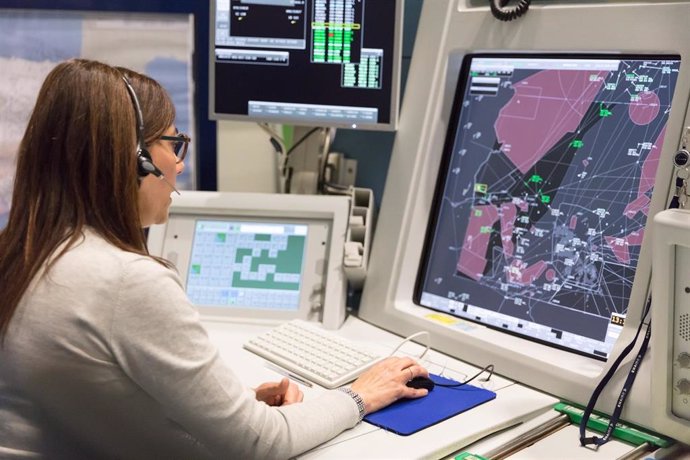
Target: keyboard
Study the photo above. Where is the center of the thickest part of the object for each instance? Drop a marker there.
(313, 353)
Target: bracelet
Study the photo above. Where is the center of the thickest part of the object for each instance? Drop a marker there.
(357, 398)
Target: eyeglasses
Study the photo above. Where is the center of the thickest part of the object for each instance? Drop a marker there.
(180, 144)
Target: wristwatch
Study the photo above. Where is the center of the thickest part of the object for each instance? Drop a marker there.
(358, 399)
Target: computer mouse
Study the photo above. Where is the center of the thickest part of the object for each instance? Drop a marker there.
(421, 382)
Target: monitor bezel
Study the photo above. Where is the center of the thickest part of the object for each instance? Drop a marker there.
(316, 243)
(326, 303)
(394, 106)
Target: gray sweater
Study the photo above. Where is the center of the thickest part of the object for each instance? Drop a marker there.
(105, 358)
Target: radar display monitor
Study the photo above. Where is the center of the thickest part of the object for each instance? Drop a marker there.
(258, 257)
(544, 193)
(306, 62)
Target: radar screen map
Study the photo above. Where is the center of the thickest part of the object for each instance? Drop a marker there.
(546, 193)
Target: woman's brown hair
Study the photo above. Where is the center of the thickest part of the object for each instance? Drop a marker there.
(77, 168)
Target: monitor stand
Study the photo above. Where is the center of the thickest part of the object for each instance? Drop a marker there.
(304, 162)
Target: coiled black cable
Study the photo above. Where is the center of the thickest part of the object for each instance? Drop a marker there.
(503, 13)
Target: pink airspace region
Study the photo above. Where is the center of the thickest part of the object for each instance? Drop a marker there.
(545, 106)
(472, 260)
(641, 203)
(520, 203)
(508, 213)
(519, 272)
(644, 110)
(620, 246)
(651, 164)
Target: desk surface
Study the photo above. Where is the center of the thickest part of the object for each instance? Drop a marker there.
(513, 405)
(516, 409)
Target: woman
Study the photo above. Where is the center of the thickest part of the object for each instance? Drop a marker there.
(102, 354)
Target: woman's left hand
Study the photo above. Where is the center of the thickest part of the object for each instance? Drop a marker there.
(279, 393)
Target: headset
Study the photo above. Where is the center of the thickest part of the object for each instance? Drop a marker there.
(145, 164)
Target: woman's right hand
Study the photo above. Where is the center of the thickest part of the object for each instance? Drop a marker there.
(386, 381)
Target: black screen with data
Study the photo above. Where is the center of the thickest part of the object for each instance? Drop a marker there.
(306, 62)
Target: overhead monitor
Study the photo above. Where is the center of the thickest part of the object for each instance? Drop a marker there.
(258, 257)
(529, 161)
(306, 62)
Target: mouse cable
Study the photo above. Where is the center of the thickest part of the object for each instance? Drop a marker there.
(414, 336)
(489, 369)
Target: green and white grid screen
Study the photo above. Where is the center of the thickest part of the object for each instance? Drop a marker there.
(247, 264)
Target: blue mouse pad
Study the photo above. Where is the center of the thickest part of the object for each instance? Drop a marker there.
(407, 416)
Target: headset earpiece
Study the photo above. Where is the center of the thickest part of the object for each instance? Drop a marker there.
(145, 165)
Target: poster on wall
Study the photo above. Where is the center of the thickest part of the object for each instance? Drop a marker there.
(33, 42)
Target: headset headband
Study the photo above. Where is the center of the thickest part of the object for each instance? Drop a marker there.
(138, 114)
(145, 165)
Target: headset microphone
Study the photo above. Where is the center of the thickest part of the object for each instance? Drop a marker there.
(147, 165)
(163, 178)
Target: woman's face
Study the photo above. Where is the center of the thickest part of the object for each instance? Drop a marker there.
(154, 192)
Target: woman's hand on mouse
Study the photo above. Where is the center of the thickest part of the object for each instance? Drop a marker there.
(385, 382)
